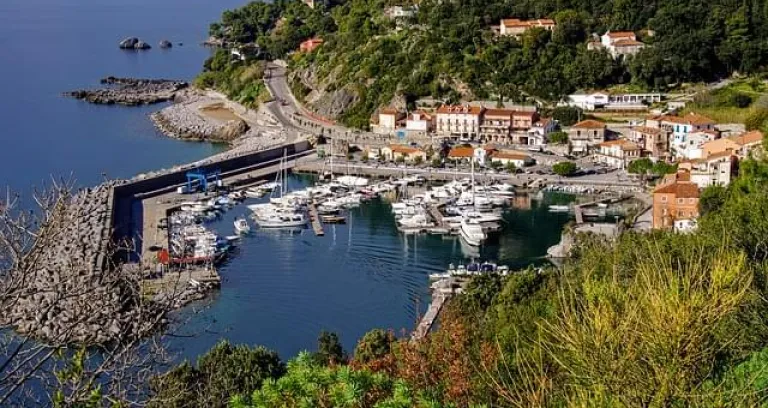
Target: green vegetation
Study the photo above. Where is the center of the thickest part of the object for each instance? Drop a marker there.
(742, 101)
(240, 82)
(448, 50)
(564, 168)
(510, 167)
(646, 166)
(560, 138)
(656, 319)
(566, 115)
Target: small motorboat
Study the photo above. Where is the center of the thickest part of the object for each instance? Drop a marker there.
(241, 226)
(333, 219)
(559, 208)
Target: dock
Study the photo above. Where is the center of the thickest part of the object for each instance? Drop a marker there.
(314, 217)
(429, 318)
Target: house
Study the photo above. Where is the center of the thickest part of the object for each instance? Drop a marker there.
(505, 157)
(586, 135)
(621, 43)
(719, 146)
(397, 12)
(681, 126)
(310, 45)
(496, 125)
(676, 202)
(420, 121)
(618, 153)
(408, 153)
(461, 154)
(516, 27)
(716, 170)
(538, 133)
(692, 147)
(748, 142)
(459, 121)
(612, 101)
(389, 117)
(655, 141)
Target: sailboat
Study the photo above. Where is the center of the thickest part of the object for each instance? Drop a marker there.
(471, 229)
(280, 212)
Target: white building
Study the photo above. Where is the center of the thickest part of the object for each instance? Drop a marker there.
(586, 135)
(618, 153)
(388, 120)
(517, 27)
(538, 133)
(690, 146)
(603, 100)
(715, 170)
(504, 157)
(621, 43)
(459, 121)
(419, 121)
(400, 12)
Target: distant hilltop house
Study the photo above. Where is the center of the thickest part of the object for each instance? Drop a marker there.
(612, 101)
(516, 27)
(618, 43)
(396, 12)
(310, 45)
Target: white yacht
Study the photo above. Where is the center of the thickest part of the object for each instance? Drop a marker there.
(282, 220)
(241, 226)
(472, 231)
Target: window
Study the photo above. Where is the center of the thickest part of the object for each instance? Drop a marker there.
(680, 200)
(663, 199)
(690, 201)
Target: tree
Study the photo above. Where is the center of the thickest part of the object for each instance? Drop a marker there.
(364, 158)
(712, 199)
(222, 372)
(510, 167)
(418, 160)
(329, 349)
(496, 164)
(559, 138)
(436, 162)
(400, 159)
(566, 115)
(374, 345)
(661, 168)
(565, 168)
(640, 166)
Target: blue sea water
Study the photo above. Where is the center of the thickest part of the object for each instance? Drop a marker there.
(279, 289)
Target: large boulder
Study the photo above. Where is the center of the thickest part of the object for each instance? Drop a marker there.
(165, 44)
(129, 43)
(232, 130)
(141, 45)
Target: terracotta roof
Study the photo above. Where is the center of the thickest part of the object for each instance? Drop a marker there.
(506, 113)
(403, 149)
(389, 111)
(707, 131)
(516, 22)
(460, 109)
(627, 43)
(589, 124)
(529, 114)
(543, 122)
(620, 34)
(645, 129)
(510, 156)
(719, 155)
(752, 137)
(689, 119)
(680, 190)
(462, 152)
(424, 115)
(625, 144)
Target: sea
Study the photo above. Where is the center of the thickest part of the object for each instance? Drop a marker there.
(279, 289)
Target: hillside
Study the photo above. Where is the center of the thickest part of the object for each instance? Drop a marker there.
(448, 49)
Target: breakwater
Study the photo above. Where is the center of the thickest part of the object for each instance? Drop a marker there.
(130, 91)
(81, 281)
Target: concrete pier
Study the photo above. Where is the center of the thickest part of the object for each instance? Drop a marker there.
(314, 217)
(429, 318)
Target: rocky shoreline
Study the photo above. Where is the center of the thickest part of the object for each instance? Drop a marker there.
(130, 91)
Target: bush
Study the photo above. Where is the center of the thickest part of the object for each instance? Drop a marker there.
(566, 115)
(564, 168)
(558, 138)
(757, 119)
(740, 100)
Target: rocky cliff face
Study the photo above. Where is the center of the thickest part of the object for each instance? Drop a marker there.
(323, 97)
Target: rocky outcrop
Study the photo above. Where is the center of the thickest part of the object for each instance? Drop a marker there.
(323, 98)
(130, 91)
(166, 44)
(133, 43)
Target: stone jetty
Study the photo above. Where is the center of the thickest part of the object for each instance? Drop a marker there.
(69, 293)
(130, 91)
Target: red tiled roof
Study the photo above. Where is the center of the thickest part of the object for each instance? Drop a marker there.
(625, 144)
(645, 129)
(627, 43)
(461, 152)
(719, 155)
(460, 109)
(403, 149)
(754, 136)
(689, 119)
(680, 190)
(589, 124)
(510, 155)
(506, 113)
(620, 34)
(423, 115)
(389, 111)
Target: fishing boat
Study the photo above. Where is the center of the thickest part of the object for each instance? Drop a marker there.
(333, 219)
(282, 220)
(241, 226)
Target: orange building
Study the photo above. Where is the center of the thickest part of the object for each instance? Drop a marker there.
(676, 202)
(310, 45)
